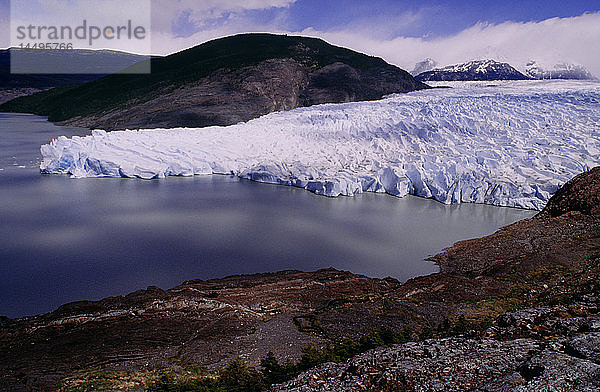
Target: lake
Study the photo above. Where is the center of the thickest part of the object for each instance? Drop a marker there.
(66, 239)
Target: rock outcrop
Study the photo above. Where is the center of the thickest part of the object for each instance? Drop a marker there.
(565, 357)
(581, 194)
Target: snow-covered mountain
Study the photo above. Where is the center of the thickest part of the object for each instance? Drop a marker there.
(473, 70)
(558, 71)
(423, 66)
(511, 145)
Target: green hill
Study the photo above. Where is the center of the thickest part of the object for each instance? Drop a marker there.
(210, 85)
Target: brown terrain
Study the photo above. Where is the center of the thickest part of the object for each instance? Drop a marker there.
(534, 284)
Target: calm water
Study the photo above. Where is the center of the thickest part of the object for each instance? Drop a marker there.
(68, 239)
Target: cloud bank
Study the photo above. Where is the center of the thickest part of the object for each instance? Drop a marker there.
(180, 24)
(550, 41)
(183, 18)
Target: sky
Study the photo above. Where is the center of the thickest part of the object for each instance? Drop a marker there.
(402, 32)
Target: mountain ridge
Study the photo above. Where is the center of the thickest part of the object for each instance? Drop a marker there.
(423, 66)
(89, 65)
(473, 70)
(561, 70)
(222, 82)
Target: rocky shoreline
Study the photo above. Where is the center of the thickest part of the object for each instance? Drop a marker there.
(535, 282)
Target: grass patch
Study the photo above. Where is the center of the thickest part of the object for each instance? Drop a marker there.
(97, 380)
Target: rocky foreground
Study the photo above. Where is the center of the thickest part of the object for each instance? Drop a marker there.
(532, 286)
(552, 261)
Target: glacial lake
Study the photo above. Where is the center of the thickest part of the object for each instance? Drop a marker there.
(64, 239)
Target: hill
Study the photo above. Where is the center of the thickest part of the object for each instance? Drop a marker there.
(222, 82)
(473, 70)
(96, 65)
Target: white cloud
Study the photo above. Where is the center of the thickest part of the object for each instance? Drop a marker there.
(4, 23)
(4, 33)
(573, 39)
(205, 19)
(199, 12)
(73, 13)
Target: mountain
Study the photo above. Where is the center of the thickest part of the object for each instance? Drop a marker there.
(423, 66)
(95, 64)
(558, 71)
(473, 70)
(223, 82)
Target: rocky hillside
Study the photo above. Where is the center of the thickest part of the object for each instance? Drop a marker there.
(473, 70)
(553, 261)
(223, 82)
(556, 350)
(517, 310)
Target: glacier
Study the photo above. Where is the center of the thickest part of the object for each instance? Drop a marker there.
(512, 143)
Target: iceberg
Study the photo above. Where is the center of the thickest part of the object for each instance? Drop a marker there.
(510, 144)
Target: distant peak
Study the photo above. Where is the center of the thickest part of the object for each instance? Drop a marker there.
(560, 70)
(483, 69)
(423, 66)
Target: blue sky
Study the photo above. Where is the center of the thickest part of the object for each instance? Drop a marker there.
(405, 32)
(433, 18)
(402, 32)
(413, 18)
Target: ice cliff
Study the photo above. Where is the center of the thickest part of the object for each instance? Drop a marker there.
(511, 144)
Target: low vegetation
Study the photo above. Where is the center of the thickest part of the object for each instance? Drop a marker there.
(239, 376)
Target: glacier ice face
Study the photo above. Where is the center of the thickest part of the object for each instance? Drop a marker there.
(512, 144)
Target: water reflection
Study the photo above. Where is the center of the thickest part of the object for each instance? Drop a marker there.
(66, 240)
